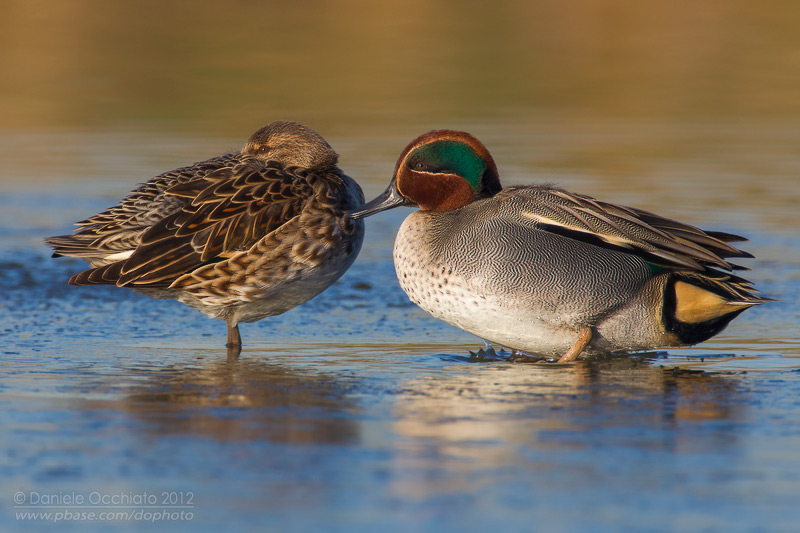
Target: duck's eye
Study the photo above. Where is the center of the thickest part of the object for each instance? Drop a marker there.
(419, 165)
(263, 149)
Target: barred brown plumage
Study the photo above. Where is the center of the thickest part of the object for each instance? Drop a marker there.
(240, 236)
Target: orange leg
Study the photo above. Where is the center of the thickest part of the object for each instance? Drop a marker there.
(584, 338)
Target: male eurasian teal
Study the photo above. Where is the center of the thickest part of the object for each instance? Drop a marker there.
(240, 237)
(545, 271)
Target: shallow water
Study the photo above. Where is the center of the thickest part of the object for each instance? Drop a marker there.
(358, 411)
(375, 414)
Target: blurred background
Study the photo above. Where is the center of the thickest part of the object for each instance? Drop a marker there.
(357, 410)
(221, 66)
(689, 103)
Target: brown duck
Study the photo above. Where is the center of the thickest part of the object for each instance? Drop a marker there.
(240, 237)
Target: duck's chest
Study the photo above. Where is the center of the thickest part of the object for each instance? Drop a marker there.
(436, 285)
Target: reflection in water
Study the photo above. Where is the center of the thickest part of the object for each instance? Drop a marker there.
(522, 417)
(392, 430)
(687, 105)
(479, 411)
(244, 401)
(675, 395)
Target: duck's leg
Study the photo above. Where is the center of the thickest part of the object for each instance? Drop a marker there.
(234, 344)
(584, 338)
(233, 352)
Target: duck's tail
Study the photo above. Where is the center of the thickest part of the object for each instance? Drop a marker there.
(106, 262)
(698, 305)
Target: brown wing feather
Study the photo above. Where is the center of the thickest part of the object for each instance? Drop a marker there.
(149, 202)
(232, 209)
(120, 228)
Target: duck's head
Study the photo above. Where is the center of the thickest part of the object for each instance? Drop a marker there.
(441, 170)
(292, 145)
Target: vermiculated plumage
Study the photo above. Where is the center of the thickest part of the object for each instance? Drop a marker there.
(546, 271)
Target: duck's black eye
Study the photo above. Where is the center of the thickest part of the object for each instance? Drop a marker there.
(419, 165)
(263, 149)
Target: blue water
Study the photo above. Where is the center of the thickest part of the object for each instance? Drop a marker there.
(359, 412)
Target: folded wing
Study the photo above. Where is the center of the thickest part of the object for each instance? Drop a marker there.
(225, 211)
(659, 239)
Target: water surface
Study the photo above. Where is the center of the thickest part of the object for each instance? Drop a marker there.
(358, 411)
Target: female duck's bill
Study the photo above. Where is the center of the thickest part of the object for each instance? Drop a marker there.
(546, 271)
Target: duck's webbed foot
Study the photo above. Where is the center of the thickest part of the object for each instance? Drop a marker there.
(487, 353)
(518, 356)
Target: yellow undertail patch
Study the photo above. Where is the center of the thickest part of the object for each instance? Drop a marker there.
(694, 304)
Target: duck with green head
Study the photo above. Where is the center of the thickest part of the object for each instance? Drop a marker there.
(549, 272)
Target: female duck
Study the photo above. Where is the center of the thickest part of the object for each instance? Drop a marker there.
(550, 272)
(240, 237)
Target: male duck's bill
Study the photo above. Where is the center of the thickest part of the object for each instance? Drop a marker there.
(388, 199)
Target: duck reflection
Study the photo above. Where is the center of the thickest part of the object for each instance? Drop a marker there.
(518, 416)
(246, 400)
(672, 393)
